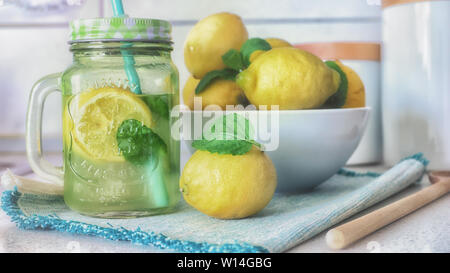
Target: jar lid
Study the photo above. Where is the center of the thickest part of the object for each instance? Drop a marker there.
(120, 29)
(343, 50)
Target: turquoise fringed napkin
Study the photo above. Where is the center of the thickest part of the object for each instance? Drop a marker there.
(287, 221)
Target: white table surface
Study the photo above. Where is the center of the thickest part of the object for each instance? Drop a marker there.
(426, 230)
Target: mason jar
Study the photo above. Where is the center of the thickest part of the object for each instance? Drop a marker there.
(119, 157)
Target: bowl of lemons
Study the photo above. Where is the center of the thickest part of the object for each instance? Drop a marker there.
(305, 115)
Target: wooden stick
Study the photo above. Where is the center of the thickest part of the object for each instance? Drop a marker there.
(348, 233)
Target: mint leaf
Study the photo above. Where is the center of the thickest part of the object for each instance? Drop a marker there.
(138, 143)
(226, 74)
(250, 46)
(158, 105)
(338, 99)
(234, 147)
(141, 146)
(229, 134)
(232, 126)
(233, 59)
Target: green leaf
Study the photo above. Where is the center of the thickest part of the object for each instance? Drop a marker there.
(226, 74)
(231, 126)
(138, 143)
(141, 146)
(228, 134)
(158, 105)
(233, 59)
(234, 147)
(338, 99)
(250, 46)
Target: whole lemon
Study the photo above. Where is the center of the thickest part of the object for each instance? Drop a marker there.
(274, 43)
(209, 39)
(290, 78)
(356, 96)
(228, 186)
(219, 92)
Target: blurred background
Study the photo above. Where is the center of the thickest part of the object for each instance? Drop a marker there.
(34, 35)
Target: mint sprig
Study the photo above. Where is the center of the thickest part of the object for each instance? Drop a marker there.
(338, 99)
(140, 146)
(235, 60)
(229, 134)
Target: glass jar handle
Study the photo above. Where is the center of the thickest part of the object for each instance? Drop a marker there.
(38, 95)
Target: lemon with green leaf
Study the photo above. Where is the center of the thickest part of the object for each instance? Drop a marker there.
(290, 78)
(228, 179)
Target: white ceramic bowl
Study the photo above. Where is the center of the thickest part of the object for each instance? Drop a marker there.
(313, 144)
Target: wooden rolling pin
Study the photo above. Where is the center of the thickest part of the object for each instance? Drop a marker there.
(348, 233)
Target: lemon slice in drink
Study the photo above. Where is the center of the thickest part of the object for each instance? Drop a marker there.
(96, 116)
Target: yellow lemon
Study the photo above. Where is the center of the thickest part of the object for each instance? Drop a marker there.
(219, 92)
(274, 43)
(290, 78)
(356, 96)
(93, 117)
(209, 39)
(228, 186)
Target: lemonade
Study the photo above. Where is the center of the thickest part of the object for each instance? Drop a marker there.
(101, 176)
